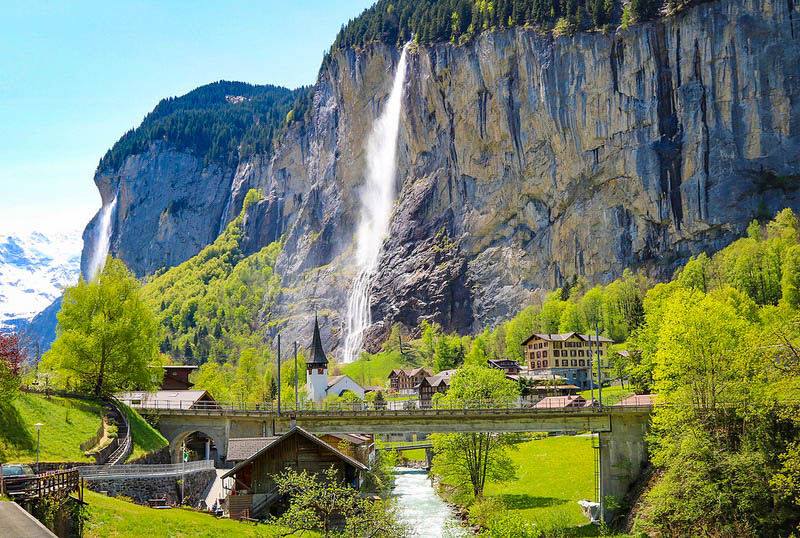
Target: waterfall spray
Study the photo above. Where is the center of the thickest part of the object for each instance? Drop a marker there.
(102, 239)
(377, 198)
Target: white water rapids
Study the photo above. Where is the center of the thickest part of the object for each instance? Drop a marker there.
(102, 240)
(377, 199)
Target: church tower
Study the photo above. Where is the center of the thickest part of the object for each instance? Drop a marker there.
(317, 368)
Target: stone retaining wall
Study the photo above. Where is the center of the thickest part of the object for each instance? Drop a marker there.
(141, 489)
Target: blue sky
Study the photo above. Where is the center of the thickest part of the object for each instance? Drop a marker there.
(74, 76)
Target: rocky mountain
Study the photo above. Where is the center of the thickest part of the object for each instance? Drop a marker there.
(34, 270)
(525, 160)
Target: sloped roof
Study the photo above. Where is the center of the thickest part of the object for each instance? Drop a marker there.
(241, 448)
(560, 337)
(410, 373)
(163, 398)
(297, 430)
(555, 402)
(317, 353)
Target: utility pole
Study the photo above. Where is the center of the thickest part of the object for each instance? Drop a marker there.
(599, 372)
(591, 375)
(296, 383)
(279, 374)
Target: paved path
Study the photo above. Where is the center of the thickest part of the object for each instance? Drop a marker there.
(215, 491)
(16, 522)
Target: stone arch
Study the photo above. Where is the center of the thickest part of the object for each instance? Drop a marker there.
(219, 440)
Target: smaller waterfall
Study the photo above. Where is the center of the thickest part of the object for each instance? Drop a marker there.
(102, 240)
(377, 200)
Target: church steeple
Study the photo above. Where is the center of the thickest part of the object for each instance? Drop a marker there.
(318, 358)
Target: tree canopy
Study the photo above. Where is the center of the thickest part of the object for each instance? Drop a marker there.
(430, 21)
(107, 335)
(218, 122)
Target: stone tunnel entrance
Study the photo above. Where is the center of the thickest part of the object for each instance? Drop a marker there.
(199, 445)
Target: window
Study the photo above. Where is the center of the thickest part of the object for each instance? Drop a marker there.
(574, 362)
(556, 353)
(581, 362)
(556, 362)
(544, 354)
(544, 363)
(538, 364)
(538, 354)
(573, 353)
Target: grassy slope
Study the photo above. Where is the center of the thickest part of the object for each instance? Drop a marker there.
(67, 423)
(611, 395)
(553, 475)
(375, 370)
(145, 437)
(115, 518)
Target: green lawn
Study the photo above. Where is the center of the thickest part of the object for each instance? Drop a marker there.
(553, 474)
(611, 395)
(375, 369)
(67, 422)
(115, 518)
(145, 437)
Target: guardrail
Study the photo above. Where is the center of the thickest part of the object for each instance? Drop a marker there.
(42, 485)
(96, 472)
(370, 408)
(124, 443)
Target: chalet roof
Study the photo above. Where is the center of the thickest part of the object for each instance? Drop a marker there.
(353, 438)
(297, 430)
(410, 373)
(165, 398)
(556, 402)
(317, 353)
(442, 377)
(502, 363)
(241, 448)
(560, 337)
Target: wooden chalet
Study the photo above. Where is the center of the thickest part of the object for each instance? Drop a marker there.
(507, 365)
(405, 381)
(176, 377)
(439, 383)
(254, 492)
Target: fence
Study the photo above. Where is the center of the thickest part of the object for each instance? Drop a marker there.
(42, 485)
(555, 404)
(96, 472)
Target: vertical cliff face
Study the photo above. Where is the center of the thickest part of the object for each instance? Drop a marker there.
(524, 162)
(169, 206)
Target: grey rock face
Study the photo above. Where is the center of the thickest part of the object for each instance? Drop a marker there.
(169, 206)
(524, 160)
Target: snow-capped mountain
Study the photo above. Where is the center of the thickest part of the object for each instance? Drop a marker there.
(34, 270)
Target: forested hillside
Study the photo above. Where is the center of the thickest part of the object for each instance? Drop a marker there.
(458, 21)
(218, 122)
(211, 305)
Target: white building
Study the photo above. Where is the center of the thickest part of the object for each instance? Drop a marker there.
(318, 384)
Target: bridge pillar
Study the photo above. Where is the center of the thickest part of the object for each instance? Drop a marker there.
(623, 454)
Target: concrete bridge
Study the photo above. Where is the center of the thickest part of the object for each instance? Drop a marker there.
(621, 429)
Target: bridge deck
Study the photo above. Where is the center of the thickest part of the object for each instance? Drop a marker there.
(497, 418)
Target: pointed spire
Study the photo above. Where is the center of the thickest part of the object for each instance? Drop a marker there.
(317, 353)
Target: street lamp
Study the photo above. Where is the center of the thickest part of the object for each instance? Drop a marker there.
(38, 427)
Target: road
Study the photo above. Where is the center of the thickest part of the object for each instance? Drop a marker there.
(16, 522)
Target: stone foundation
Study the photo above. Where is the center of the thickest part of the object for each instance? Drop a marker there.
(141, 489)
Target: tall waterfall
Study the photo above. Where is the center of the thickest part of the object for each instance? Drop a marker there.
(102, 239)
(377, 198)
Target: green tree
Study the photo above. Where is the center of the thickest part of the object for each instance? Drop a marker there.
(790, 280)
(322, 502)
(107, 336)
(470, 459)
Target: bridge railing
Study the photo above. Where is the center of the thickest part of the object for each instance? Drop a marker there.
(397, 407)
(97, 472)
